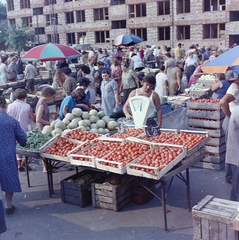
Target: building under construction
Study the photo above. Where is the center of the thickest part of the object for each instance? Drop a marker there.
(206, 22)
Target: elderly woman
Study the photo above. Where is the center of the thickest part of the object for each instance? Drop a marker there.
(220, 87)
(129, 80)
(23, 113)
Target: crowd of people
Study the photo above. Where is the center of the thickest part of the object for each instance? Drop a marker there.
(113, 76)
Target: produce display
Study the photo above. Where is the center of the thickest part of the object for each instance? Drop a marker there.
(60, 147)
(206, 100)
(130, 132)
(79, 148)
(100, 149)
(125, 153)
(158, 158)
(35, 140)
(164, 136)
(92, 121)
(80, 135)
(208, 77)
(188, 140)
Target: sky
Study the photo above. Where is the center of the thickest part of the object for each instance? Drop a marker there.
(3, 1)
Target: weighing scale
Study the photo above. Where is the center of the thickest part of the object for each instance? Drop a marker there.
(139, 106)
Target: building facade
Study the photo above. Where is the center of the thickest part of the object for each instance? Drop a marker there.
(167, 22)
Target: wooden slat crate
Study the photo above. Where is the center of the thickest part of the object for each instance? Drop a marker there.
(111, 197)
(76, 193)
(207, 114)
(212, 132)
(216, 158)
(199, 105)
(205, 123)
(215, 149)
(210, 166)
(212, 218)
(216, 141)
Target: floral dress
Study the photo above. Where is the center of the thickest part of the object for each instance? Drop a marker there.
(45, 114)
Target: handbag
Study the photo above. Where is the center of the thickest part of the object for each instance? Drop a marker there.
(11, 76)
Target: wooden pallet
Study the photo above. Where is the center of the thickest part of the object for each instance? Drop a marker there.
(212, 219)
(111, 197)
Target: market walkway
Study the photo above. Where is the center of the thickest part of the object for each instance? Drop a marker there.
(39, 217)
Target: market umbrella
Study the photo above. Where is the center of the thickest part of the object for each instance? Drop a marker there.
(127, 40)
(225, 61)
(50, 52)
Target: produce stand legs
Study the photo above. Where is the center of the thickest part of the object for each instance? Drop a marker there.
(28, 178)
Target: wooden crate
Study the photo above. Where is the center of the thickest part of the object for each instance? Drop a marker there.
(205, 123)
(212, 218)
(216, 158)
(199, 105)
(215, 149)
(210, 166)
(207, 114)
(212, 132)
(75, 193)
(111, 197)
(216, 141)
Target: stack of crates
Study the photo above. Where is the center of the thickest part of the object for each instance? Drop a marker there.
(206, 115)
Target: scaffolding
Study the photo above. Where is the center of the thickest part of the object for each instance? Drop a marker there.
(53, 22)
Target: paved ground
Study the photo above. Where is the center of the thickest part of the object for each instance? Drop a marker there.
(40, 217)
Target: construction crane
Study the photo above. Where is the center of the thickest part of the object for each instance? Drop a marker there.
(53, 21)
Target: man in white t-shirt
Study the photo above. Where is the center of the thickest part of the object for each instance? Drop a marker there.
(30, 74)
(228, 103)
(161, 87)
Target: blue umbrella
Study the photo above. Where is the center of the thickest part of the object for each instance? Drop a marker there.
(127, 40)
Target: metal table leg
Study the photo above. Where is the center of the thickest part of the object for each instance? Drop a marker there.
(48, 169)
(163, 197)
(188, 189)
(28, 178)
(77, 169)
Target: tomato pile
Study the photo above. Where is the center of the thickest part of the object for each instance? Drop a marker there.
(188, 140)
(158, 158)
(130, 132)
(98, 150)
(61, 147)
(206, 100)
(125, 153)
(80, 135)
(80, 147)
(202, 110)
(164, 136)
(204, 119)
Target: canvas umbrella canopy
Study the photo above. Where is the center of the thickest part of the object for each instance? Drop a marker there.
(127, 40)
(50, 52)
(225, 61)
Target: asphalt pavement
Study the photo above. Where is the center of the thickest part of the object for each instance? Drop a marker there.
(37, 216)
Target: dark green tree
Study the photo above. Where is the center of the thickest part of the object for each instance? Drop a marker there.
(18, 37)
(3, 11)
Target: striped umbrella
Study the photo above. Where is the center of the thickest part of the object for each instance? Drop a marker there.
(127, 40)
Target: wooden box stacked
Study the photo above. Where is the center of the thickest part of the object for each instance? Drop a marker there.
(111, 197)
(75, 193)
(212, 218)
(207, 116)
(45, 74)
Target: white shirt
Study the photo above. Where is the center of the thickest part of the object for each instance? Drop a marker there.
(156, 52)
(160, 80)
(190, 62)
(30, 71)
(234, 91)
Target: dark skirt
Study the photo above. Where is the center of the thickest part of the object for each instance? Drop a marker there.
(189, 71)
(126, 93)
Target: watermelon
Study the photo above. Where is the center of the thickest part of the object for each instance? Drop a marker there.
(117, 112)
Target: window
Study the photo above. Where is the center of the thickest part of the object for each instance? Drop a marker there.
(10, 5)
(51, 19)
(101, 14)
(40, 30)
(81, 37)
(163, 8)
(214, 30)
(100, 36)
(27, 21)
(137, 10)
(69, 17)
(117, 2)
(12, 21)
(49, 38)
(214, 5)
(80, 16)
(48, 2)
(118, 24)
(183, 32)
(25, 4)
(163, 33)
(68, 0)
(141, 32)
(234, 16)
(38, 11)
(183, 6)
(70, 38)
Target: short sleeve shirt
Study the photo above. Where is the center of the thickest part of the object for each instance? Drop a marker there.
(128, 79)
(68, 101)
(234, 91)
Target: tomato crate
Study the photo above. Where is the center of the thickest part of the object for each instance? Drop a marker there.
(212, 219)
(216, 141)
(215, 149)
(76, 189)
(136, 168)
(207, 114)
(112, 197)
(205, 123)
(203, 105)
(215, 158)
(211, 132)
(51, 142)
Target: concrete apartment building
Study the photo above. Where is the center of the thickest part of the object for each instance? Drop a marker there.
(167, 22)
